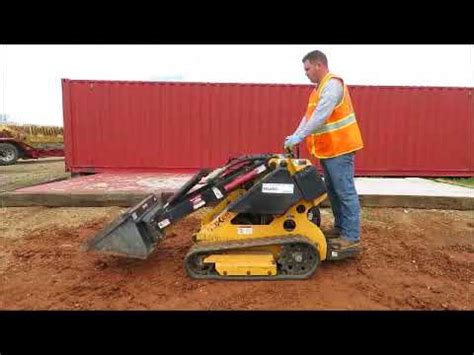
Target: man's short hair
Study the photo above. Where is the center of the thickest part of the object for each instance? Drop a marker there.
(316, 56)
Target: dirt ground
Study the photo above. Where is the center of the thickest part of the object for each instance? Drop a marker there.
(31, 172)
(411, 259)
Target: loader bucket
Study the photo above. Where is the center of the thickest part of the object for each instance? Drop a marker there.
(131, 234)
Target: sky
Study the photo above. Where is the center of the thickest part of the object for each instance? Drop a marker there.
(30, 75)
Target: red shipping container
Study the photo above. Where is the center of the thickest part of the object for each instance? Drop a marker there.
(115, 126)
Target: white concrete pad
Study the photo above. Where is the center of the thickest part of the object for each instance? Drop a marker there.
(410, 186)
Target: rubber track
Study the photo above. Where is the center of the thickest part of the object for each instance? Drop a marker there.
(212, 247)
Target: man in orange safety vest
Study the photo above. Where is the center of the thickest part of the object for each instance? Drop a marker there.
(332, 135)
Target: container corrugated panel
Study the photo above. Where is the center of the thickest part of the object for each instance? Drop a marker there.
(150, 126)
(415, 131)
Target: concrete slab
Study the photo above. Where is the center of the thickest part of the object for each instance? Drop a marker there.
(113, 183)
(127, 189)
(410, 187)
(98, 190)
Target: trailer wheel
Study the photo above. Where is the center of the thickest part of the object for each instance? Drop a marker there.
(9, 154)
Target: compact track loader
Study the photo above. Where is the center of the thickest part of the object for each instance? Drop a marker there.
(264, 222)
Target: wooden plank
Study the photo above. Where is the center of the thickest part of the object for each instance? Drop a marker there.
(70, 200)
(128, 199)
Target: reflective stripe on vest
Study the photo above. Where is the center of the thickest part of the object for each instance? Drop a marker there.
(334, 126)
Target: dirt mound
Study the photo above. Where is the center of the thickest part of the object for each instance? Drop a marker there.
(411, 259)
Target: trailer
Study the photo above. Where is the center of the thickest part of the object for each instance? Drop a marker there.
(29, 142)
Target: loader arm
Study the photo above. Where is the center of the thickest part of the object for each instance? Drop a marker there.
(136, 232)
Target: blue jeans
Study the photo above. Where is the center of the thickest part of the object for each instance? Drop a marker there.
(339, 179)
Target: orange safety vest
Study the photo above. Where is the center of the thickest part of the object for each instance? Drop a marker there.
(340, 134)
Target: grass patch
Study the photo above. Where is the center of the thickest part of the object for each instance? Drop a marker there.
(24, 174)
(466, 182)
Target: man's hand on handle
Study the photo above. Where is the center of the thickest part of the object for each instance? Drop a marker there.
(292, 140)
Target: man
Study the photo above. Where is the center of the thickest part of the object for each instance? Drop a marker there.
(332, 135)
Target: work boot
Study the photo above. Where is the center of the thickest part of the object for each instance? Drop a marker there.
(342, 243)
(332, 233)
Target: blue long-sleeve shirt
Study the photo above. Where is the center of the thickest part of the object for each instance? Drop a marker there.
(330, 97)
